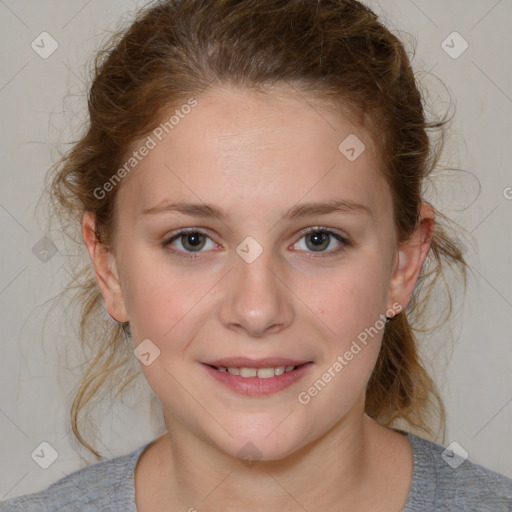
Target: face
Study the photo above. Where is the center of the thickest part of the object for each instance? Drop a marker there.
(307, 290)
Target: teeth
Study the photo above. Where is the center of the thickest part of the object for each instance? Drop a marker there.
(266, 373)
(262, 373)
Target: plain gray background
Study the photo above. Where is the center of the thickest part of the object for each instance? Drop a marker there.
(42, 103)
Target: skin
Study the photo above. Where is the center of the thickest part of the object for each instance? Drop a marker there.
(256, 155)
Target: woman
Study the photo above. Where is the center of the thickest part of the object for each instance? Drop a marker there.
(249, 193)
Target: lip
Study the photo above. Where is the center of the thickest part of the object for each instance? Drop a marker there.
(245, 362)
(253, 386)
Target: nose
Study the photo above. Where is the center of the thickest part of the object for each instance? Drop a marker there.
(257, 300)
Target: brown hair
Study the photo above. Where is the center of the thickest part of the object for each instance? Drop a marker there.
(331, 49)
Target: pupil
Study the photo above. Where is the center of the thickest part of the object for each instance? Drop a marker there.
(319, 237)
(193, 236)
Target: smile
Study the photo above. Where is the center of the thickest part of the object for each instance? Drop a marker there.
(263, 380)
(261, 373)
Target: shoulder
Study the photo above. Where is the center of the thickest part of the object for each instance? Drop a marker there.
(443, 479)
(106, 486)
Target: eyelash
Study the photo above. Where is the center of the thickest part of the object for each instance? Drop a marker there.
(318, 229)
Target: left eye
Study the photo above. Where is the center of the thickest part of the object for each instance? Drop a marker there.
(193, 240)
(321, 239)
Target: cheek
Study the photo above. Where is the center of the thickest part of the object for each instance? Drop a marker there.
(352, 308)
(351, 298)
(155, 297)
(351, 303)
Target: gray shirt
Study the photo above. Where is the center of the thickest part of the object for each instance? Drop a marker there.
(438, 484)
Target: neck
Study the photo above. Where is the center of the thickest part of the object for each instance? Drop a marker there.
(338, 471)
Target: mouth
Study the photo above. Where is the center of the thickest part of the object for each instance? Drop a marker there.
(261, 377)
(264, 372)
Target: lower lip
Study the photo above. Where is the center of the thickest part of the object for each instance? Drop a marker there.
(255, 385)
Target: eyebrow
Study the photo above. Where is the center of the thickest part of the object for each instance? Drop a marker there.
(303, 210)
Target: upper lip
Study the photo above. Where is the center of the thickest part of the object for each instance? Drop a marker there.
(245, 362)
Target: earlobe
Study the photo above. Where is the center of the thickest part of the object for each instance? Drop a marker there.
(105, 270)
(410, 257)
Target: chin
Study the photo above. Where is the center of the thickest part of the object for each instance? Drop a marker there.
(252, 445)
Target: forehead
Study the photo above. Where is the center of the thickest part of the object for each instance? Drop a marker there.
(250, 149)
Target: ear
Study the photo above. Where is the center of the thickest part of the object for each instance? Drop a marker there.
(105, 269)
(410, 258)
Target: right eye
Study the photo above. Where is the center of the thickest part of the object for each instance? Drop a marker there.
(190, 239)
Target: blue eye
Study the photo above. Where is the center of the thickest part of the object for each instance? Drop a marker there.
(192, 239)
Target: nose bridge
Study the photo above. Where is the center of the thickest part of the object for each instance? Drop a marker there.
(256, 284)
(258, 300)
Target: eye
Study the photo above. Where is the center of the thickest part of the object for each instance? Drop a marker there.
(320, 239)
(193, 240)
